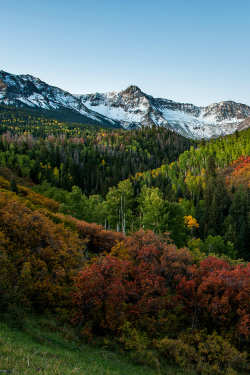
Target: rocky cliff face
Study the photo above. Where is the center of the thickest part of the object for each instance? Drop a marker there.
(3, 88)
(130, 108)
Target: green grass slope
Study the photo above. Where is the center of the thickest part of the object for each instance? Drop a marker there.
(42, 347)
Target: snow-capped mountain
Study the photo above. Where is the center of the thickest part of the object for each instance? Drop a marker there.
(130, 108)
(28, 91)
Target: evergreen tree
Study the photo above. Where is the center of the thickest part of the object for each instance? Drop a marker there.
(216, 205)
(13, 186)
(179, 193)
(211, 167)
(229, 232)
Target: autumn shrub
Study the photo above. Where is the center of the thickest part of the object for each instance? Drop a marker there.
(38, 258)
(137, 285)
(209, 354)
(240, 174)
(7, 273)
(113, 291)
(102, 294)
(172, 261)
(157, 304)
(99, 239)
(37, 199)
(33, 199)
(120, 251)
(177, 351)
(216, 296)
(4, 184)
(218, 356)
(131, 338)
(60, 219)
(139, 345)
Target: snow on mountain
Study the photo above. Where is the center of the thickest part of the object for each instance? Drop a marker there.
(28, 91)
(130, 108)
(126, 107)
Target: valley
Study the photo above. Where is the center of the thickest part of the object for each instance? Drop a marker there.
(135, 240)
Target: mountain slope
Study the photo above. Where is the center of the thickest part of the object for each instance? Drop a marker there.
(28, 91)
(130, 108)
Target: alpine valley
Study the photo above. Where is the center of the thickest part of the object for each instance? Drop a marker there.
(124, 233)
(129, 109)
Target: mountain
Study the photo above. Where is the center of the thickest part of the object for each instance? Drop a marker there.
(130, 108)
(28, 91)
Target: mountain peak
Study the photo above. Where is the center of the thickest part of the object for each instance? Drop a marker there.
(132, 89)
(129, 108)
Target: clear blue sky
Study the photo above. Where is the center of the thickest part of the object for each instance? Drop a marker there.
(192, 51)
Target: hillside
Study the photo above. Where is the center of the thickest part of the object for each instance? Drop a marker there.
(157, 267)
(130, 108)
(43, 345)
(93, 158)
(134, 296)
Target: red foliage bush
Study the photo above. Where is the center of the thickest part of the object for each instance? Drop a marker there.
(242, 162)
(173, 261)
(112, 291)
(217, 295)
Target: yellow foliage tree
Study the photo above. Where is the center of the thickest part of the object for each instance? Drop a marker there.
(191, 223)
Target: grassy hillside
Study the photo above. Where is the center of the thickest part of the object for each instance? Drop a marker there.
(44, 347)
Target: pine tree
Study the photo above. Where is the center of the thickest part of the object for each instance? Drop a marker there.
(229, 230)
(13, 186)
(179, 193)
(211, 167)
(216, 205)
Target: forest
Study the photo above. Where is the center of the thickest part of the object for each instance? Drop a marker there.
(87, 156)
(139, 239)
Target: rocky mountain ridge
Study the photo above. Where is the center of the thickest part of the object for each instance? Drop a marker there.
(28, 91)
(129, 108)
(132, 107)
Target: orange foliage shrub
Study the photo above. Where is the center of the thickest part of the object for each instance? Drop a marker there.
(4, 184)
(31, 196)
(38, 199)
(241, 173)
(99, 239)
(39, 258)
